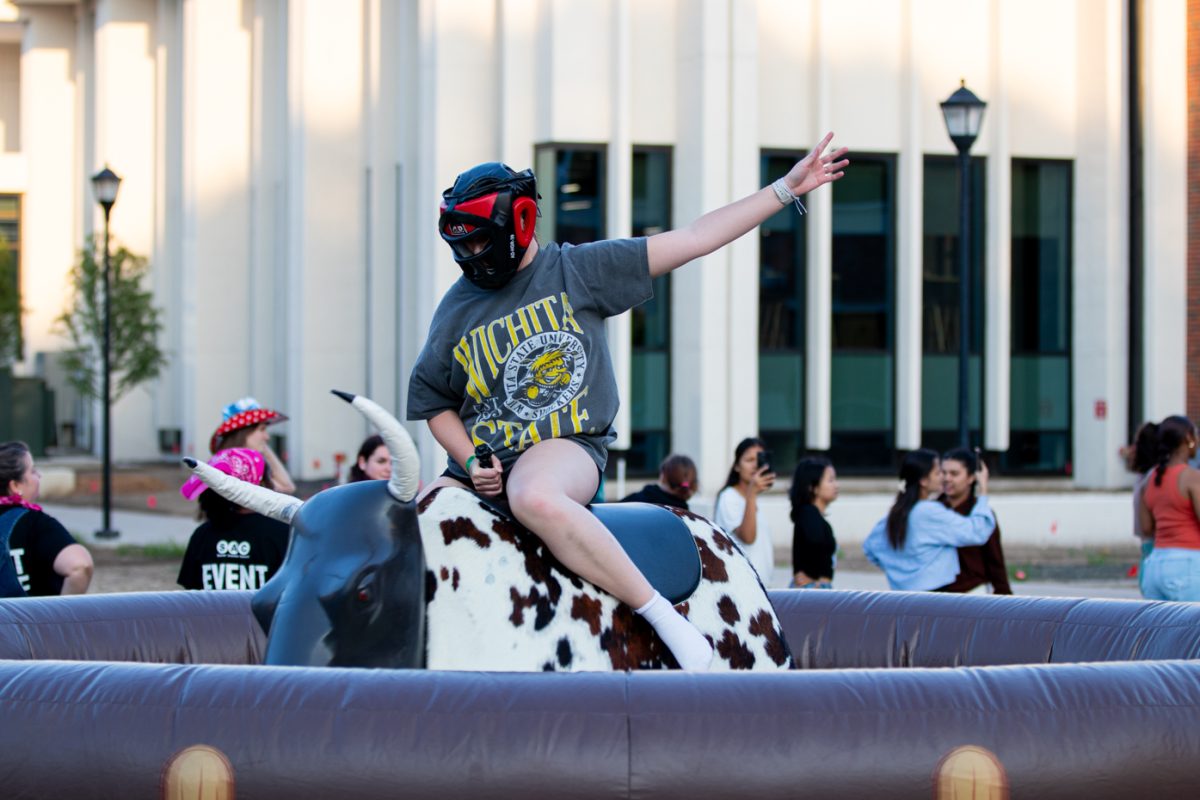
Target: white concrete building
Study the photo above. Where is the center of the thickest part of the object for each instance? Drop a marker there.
(282, 165)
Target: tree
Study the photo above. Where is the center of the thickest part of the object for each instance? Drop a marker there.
(135, 323)
(10, 307)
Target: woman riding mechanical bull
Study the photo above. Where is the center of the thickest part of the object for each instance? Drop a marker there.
(518, 307)
(517, 360)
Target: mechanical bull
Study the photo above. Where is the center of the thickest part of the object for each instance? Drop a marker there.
(372, 580)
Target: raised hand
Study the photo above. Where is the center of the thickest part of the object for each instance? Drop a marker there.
(817, 168)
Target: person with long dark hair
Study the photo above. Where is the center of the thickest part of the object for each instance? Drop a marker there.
(737, 510)
(916, 544)
(373, 462)
(1140, 457)
(814, 548)
(978, 565)
(1170, 513)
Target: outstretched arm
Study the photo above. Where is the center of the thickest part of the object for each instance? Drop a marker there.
(718, 228)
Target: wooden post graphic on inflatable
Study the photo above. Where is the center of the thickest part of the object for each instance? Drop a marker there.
(847, 694)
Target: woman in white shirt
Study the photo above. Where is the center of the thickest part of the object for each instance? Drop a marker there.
(738, 511)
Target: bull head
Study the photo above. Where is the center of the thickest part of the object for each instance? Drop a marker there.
(351, 588)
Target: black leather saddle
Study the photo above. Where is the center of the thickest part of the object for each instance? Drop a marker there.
(658, 542)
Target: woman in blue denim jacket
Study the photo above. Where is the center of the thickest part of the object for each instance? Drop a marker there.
(916, 544)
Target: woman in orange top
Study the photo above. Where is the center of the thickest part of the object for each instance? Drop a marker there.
(1170, 512)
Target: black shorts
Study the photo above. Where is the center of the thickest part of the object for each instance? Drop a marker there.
(446, 473)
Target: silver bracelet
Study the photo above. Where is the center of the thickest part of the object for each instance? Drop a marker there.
(785, 196)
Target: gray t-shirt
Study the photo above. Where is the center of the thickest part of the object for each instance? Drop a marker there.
(530, 361)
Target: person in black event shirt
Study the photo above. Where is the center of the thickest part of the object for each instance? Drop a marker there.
(38, 557)
(676, 484)
(234, 548)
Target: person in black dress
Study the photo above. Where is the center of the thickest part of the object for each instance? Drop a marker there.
(814, 549)
(676, 484)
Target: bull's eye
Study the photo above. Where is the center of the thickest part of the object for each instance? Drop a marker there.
(364, 591)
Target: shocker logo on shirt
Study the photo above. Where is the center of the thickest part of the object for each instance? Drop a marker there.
(543, 373)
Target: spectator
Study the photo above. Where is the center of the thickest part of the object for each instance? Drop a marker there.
(737, 509)
(1169, 510)
(977, 565)
(676, 484)
(1139, 459)
(234, 548)
(916, 544)
(244, 424)
(38, 557)
(373, 463)
(814, 549)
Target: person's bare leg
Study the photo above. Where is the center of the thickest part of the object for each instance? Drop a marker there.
(547, 489)
(440, 482)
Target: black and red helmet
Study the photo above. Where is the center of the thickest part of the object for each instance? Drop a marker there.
(487, 218)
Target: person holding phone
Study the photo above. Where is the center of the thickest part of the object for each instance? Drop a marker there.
(737, 509)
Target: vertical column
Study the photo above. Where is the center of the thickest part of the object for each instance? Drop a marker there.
(268, 200)
(1193, 209)
(326, 165)
(382, 114)
(997, 274)
(48, 126)
(700, 325)
(174, 403)
(741, 353)
(125, 140)
(910, 240)
(218, 209)
(1165, 309)
(1099, 367)
(619, 211)
(818, 362)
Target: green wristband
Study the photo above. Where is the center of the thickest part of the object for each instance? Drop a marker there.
(470, 458)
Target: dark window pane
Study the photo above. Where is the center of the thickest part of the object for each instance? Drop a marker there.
(571, 182)
(781, 269)
(1040, 387)
(941, 313)
(650, 410)
(863, 301)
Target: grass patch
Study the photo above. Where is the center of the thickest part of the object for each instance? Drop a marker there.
(155, 552)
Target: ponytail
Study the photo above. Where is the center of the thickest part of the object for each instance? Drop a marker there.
(1172, 433)
(916, 465)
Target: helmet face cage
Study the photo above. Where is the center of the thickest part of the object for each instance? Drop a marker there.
(487, 218)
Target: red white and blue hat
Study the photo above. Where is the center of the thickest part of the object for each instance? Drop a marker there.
(244, 413)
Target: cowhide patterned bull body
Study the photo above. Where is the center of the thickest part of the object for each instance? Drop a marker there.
(368, 581)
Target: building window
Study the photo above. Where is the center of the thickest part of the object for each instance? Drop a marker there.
(781, 319)
(10, 253)
(650, 382)
(940, 287)
(1040, 415)
(862, 419)
(571, 182)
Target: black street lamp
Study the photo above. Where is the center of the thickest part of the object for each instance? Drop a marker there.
(104, 186)
(963, 112)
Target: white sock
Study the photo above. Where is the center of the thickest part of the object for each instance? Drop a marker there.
(688, 645)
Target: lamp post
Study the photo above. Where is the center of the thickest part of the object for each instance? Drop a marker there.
(104, 186)
(963, 112)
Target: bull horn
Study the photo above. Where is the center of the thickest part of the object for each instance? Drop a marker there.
(267, 502)
(406, 466)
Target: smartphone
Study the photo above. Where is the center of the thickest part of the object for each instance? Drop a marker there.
(764, 459)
